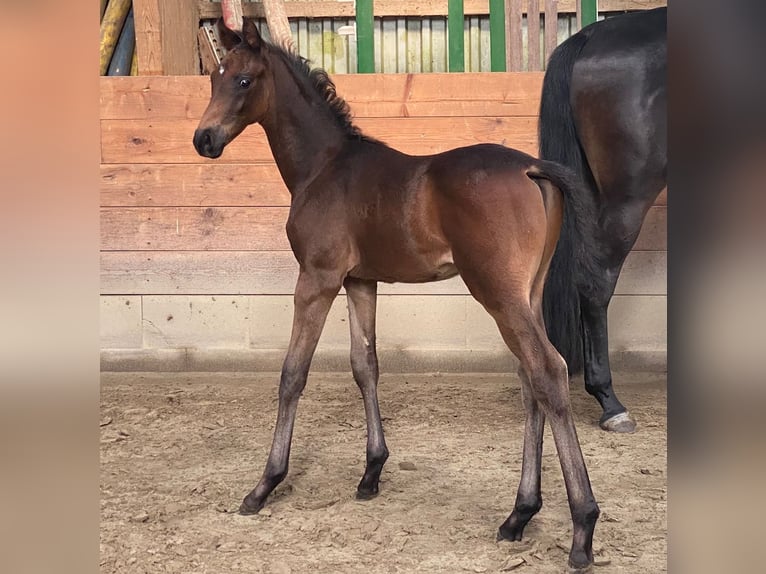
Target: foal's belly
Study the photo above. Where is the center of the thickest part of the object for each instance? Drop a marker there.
(393, 267)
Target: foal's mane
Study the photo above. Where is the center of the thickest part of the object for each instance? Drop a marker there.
(323, 86)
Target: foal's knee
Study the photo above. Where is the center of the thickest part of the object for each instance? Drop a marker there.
(292, 382)
(549, 384)
(364, 366)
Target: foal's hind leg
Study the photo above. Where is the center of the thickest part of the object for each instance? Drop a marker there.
(529, 498)
(314, 294)
(362, 296)
(548, 382)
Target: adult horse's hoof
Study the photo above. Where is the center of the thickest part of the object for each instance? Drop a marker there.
(622, 423)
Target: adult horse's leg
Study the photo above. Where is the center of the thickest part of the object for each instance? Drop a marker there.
(362, 296)
(621, 226)
(314, 294)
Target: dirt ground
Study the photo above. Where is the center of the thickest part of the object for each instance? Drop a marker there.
(179, 451)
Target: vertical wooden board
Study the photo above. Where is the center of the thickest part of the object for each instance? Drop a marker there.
(551, 28)
(414, 45)
(426, 52)
(303, 37)
(473, 42)
(328, 46)
(378, 44)
(401, 46)
(351, 42)
(315, 41)
(179, 20)
(389, 46)
(485, 60)
(533, 35)
(148, 37)
(513, 38)
(340, 48)
(439, 44)
(563, 28)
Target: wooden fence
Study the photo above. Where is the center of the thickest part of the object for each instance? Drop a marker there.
(394, 35)
(196, 270)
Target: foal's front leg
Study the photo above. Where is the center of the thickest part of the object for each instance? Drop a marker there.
(314, 294)
(362, 297)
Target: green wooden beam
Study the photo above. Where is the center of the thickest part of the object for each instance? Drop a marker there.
(497, 35)
(365, 48)
(456, 51)
(589, 11)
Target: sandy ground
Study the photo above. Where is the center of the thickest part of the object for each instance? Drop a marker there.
(179, 451)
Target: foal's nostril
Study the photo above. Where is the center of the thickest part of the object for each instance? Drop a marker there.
(208, 142)
(203, 142)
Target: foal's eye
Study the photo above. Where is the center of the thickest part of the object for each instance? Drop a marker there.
(244, 83)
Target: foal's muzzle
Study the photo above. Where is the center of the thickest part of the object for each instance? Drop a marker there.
(209, 142)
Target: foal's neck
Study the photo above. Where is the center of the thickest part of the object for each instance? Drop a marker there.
(302, 132)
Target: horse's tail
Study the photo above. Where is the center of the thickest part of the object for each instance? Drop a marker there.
(572, 261)
(574, 264)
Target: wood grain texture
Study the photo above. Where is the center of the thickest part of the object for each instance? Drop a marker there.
(190, 185)
(369, 95)
(551, 26)
(275, 273)
(513, 39)
(249, 228)
(404, 8)
(170, 141)
(148, 37)
(179, 21)
(533, 35)
(190, 228)
(197, 185)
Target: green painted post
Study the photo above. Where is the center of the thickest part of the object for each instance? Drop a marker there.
(365, 48)
(455, 19)
(589, 11)
(497, 35)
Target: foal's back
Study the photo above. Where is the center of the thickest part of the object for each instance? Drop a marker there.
(396, 217)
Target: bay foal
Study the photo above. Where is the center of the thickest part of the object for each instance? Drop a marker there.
(362, 212)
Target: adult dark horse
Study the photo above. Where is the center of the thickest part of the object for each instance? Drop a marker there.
(362, 212)
(603, 114)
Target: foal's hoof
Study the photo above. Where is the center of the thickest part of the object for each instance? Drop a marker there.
(619, 423)
(509, 533)
(247, 509)
(366, 493)
(588, 569)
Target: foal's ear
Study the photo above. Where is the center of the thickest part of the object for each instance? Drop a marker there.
(229, 38)
(251, 34)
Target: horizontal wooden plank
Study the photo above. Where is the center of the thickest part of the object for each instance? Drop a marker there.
(403, 8)
(275, 273)
(210, 185)
(170, 141)
(249, 229)
(369, 95)
(177, 185)
(184, 228)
